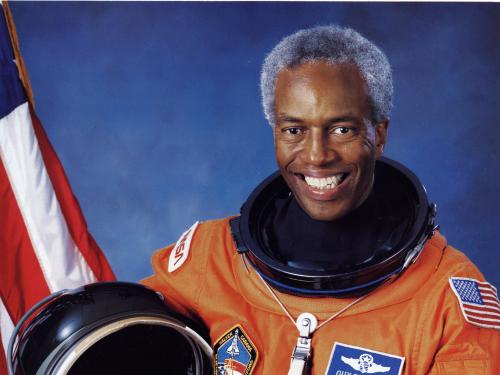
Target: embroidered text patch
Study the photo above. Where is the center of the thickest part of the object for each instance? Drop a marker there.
(180, 252)
(353, 360)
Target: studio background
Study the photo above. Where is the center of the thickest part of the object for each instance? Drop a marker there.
(154, 110)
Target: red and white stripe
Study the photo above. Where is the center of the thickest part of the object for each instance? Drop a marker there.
(234, 367)
(44, 243)
(6, 326)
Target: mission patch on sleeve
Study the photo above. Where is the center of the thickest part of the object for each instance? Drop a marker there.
(354, 360)
(234, 353)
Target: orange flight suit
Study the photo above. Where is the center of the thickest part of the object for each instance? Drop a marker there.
(417, 316)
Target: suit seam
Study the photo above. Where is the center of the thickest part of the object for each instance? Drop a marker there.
(203, 269)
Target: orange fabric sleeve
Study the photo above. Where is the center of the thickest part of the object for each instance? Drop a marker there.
(182, 283)
(465, 349)
(180, 287)
(161, 283)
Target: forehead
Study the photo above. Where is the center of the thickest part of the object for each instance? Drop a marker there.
(320, 88)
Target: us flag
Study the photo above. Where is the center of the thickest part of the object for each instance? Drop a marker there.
(478, 301)
(44, 242)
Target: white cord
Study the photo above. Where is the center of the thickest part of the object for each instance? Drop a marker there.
(302, 351)
(342, 310)
(277, 300)
(323, 323)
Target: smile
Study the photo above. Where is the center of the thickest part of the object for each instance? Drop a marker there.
(323, 183)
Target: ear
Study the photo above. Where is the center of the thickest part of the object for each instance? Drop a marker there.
(380, 137)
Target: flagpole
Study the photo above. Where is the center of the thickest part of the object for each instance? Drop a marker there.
(23, 73)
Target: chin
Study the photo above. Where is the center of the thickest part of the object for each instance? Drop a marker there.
(325, 217)
(324, 214)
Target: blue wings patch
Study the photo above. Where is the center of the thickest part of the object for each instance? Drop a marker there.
(353, 360)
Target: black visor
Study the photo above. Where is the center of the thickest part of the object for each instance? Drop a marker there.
(109, 328)
(389, 258)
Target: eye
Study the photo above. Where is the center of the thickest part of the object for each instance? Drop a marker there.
(342, 130)
(293, 131)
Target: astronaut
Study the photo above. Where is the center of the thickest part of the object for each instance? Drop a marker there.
(335, 264)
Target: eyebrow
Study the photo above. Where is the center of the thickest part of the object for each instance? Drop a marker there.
(282, 117)
(342, 119)
(287, 118)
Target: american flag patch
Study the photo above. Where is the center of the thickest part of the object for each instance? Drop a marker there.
(478, 301)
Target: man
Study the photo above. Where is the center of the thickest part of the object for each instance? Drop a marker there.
(335, 265)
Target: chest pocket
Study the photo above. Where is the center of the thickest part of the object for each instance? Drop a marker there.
(464, 367)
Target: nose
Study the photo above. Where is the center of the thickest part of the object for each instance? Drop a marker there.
(317, 150)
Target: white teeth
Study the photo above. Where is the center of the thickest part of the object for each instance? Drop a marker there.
(324, 183)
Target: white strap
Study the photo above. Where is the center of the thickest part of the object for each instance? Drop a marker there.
(306, 324)
(297, 367)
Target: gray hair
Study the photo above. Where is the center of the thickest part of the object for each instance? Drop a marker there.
(335, 45)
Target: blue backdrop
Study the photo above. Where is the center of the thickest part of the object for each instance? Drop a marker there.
(154, 110)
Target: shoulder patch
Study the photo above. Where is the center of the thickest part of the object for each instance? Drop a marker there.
(348, 359)
(180, 252)
(234, 353)
(478, 301)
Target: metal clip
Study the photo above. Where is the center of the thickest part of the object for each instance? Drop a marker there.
(306, 324)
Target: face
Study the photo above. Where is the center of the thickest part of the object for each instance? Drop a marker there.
(325, 145)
